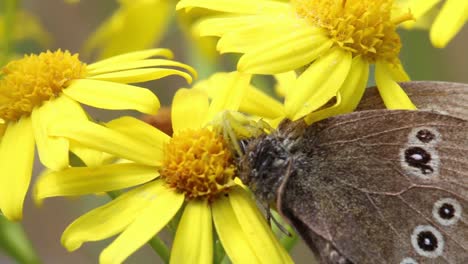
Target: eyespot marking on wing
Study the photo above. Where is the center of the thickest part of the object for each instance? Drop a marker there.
(447, 211)
(424, 135)
(420, 162)
(427, 241)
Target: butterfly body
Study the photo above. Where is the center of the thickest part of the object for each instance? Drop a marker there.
(376, 186)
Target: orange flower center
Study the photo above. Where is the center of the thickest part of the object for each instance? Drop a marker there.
(199, 164)
(364, 27)
(28, 82)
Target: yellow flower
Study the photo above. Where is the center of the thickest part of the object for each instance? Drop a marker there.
(38, 90)
(333, 43)
(447, 23)
(194, 166)
(135, 25)
(254, 101)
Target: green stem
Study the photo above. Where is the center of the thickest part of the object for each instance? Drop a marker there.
(156, 243)
(172, 226)
(219, 252)
(14, 242)
(226, 260)
(160, 247)
(9, 9)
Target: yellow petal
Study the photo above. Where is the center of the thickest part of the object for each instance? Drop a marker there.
(16, 161)
(275, 122)
(53, 151)
(145, 132)
(110, 95)
(156, 215)
(189, 109)
(90, 157)
(219, 26)
(392, 94)
(231, 93)
(286, 52)
(71, 110)
(142, 64)
(285, 81)
(420, 7)
(253, 101)
(397, 72)
(246, 37)
(100, 138)
(111, 218)
(258, 103)
(193, 242)
(140, 75)
(318, 83)
(258, 233)
(84, 180)
(349, 94)
(449, 22)
(135, 25)
(131, 56)
(238, 6)
(229, 230)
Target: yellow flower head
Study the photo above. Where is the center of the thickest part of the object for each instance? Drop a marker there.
(198, 163)
(364, 27)
(332, 43)
(135, 25)
(195, 165)
(450, 17)
(29, 82)
(40, 90)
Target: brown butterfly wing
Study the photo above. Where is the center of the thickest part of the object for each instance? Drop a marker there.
(364, 190)
(444, 97)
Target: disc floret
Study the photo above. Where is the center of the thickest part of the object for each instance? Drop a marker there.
(199, 164)
(364, 27)
(28, 82)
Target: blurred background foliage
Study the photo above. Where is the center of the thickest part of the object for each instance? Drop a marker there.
(98, 29)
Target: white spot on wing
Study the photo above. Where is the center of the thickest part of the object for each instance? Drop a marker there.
(417, 156)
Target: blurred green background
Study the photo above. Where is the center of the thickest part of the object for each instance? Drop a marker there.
(68, 26)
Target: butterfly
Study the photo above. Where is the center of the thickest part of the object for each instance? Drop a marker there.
(375, 185)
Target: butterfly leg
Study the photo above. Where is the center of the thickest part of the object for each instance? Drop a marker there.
(271, 218)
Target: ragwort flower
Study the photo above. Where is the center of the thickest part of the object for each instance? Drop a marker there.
(332, 42)
(448, 22)
(38, 90)
(254, 101)
(135, 25)
(195, 166)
